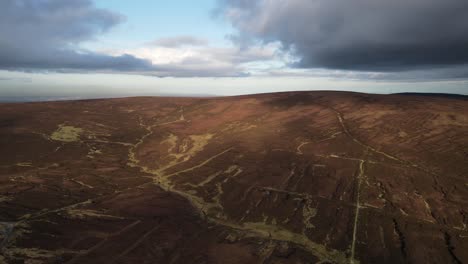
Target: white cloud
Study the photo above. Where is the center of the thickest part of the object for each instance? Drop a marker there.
(180, 60)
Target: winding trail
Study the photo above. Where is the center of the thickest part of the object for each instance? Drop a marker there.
(404, 163)
(390, 156)
(358, 207)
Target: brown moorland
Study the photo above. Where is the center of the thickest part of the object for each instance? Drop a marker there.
(297, 177)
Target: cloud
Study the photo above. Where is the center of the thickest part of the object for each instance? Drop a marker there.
(179, 41)
(45, 35)
(201, 60)
(363, 35)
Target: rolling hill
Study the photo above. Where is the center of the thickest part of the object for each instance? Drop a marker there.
(297, 177)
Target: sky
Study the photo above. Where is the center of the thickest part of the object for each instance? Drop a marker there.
(114, 48)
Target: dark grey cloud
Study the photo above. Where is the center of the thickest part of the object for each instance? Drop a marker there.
(45, 34)
(364, 35)
(179, 41)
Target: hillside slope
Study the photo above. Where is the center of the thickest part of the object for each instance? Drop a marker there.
(300, 177)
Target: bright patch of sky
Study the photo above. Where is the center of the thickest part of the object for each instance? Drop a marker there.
(147, 20)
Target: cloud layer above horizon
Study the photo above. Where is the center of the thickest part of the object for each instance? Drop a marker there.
(354, 39)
